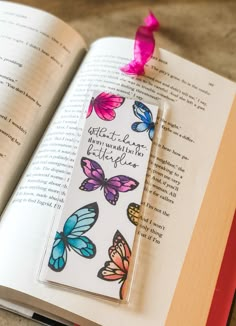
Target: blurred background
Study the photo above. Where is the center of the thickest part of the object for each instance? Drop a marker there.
(201, 31)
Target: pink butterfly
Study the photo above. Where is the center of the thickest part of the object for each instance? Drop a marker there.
(117, 267)
(96, 178)
(104, 105)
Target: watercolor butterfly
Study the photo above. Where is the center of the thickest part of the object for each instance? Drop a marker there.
(72, 237)
(117, 267)
(96, 178)
(133, 213)
(104, 105)
(142, 112)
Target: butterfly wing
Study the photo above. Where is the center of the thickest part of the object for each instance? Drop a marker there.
(90, 108)
(139, 126)
(83, 246)
(111, 195)
(105, 105)
(133, 213)
(95, 175)
(151, 131)
(117, 267)
(123, 289)
(142, 112)
(76, 225)
(119, 183)
(58, 257)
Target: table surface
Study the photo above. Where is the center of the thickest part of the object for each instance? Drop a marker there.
(203, 32)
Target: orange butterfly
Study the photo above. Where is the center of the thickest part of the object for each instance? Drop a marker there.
(133, 213)
(117, 268)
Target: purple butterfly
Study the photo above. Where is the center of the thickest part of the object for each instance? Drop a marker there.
(96, 178)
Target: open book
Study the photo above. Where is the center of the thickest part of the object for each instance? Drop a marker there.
(46, 76)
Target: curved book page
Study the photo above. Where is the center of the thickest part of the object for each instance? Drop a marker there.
(38, 57)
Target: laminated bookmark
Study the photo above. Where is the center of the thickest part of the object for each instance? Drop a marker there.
(93, 244)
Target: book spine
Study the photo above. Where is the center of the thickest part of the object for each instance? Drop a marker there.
(226, 283)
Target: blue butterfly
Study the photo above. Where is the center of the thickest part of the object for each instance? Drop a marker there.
(71, 238)
(142, 112)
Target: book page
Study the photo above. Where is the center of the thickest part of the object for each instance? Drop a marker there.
(178, 174)
(38, 56)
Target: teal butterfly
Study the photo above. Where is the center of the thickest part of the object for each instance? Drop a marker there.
(72, 237)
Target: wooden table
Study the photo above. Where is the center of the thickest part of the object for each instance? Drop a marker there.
(203, 32)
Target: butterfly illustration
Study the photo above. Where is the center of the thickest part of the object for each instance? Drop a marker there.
(96, 178)
(72, 237)
(117, 267)
(104, 105)
(142, 112)
(133, 213)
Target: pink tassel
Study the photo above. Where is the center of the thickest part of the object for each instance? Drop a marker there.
(143, 47)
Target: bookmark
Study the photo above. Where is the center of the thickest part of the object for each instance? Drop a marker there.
(95, 237)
